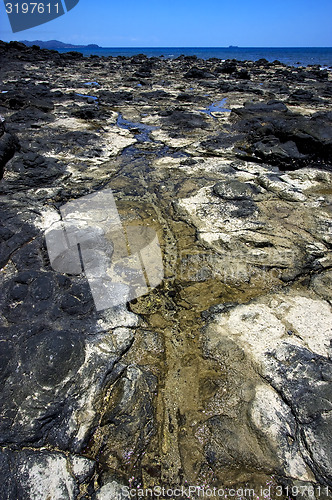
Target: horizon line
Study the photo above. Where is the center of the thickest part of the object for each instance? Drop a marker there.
(187, 46)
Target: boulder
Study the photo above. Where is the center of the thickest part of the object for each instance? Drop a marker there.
(8, 146)
(198, 73)
(281, 137)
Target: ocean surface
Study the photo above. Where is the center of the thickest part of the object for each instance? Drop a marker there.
(293, 56)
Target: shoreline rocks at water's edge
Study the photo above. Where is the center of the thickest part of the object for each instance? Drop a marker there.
(242, 203)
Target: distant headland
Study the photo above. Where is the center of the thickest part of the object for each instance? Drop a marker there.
(55, 44)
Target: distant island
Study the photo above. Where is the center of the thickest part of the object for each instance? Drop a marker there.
(55, 44)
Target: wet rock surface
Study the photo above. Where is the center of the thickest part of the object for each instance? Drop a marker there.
(221, 375)
(8, 146)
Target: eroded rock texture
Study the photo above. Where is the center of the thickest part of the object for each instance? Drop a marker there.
(219, 376)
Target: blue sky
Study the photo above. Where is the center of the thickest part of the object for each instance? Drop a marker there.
(187, 23)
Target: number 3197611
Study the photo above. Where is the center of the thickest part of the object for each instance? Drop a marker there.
(32, 8)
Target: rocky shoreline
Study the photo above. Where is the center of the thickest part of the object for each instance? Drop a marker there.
(221, 375)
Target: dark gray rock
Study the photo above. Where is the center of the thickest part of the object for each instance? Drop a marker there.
(15, 231)
(222, 141)
(114, 97)
(243, 74)
(184, 120)
(235, 190)
(280, 137)
(227, 67)
(301, 96)
(272, 150)
(186, 97)
(197, 73)
(127, 424)
(8, 146)
(85, 112)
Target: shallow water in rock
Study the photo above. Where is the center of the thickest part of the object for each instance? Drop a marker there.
(88, 96)
(216, 107)
(173, 312)
(144, 131)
